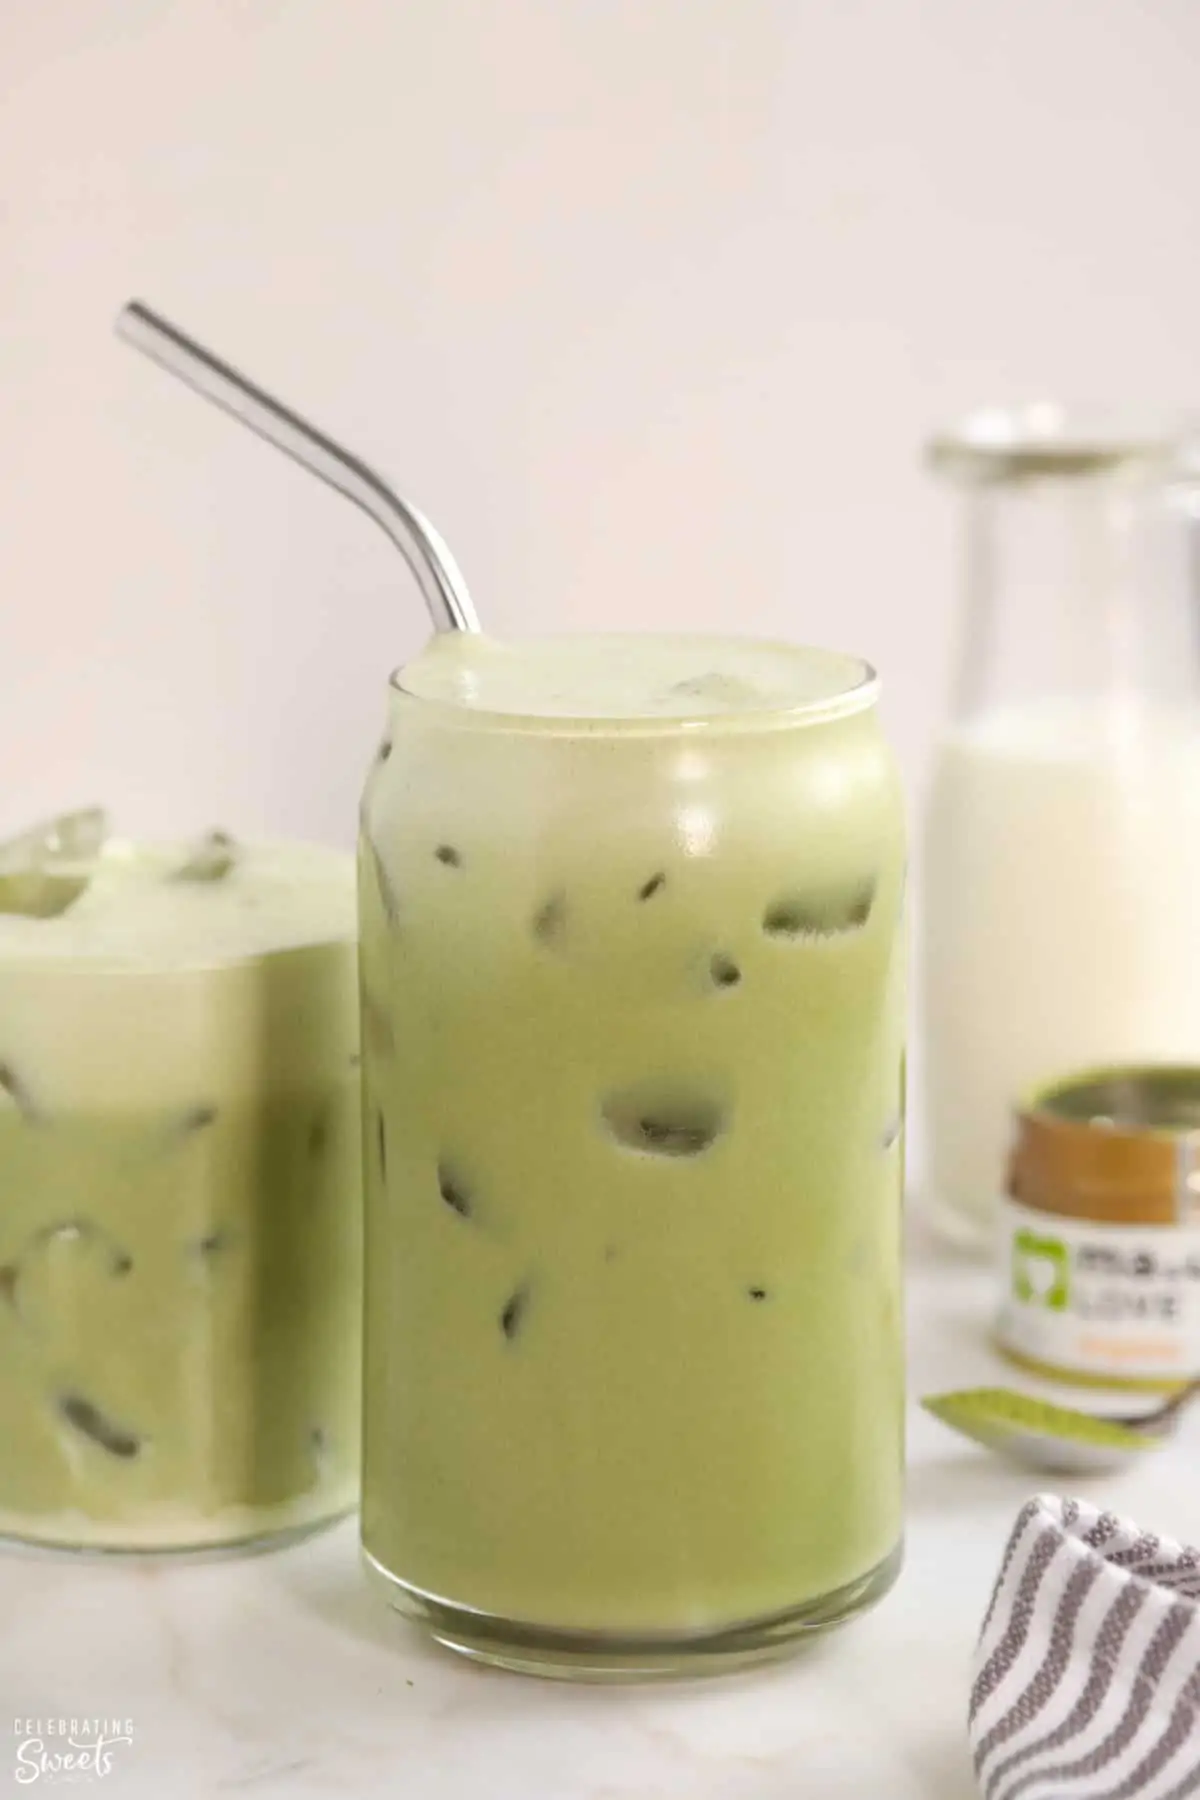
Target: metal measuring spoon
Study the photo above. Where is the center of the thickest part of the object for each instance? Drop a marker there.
(1058, 1439)
(437, 573)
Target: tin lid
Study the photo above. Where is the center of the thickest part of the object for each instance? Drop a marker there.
(1114, 1146)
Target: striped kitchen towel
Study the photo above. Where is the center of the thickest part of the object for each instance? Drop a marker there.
(1087, 1673)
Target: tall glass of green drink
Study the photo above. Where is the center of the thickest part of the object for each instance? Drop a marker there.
(632, 982)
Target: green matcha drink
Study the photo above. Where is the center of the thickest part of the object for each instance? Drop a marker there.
(180, 1157)
(633, 1078)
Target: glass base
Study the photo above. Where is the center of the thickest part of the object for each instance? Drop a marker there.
(603, 1656)
(254, 1542)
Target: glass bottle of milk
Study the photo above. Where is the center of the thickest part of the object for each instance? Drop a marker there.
(1062, 850)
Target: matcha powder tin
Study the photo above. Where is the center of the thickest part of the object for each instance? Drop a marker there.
(1100, 1230)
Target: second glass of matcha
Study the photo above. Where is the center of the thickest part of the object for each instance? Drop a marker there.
(632, 982)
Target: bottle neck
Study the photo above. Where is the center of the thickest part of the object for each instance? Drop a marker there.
(1079, 589)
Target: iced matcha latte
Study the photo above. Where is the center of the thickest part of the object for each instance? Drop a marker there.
(179, 1195)
(632, 1013)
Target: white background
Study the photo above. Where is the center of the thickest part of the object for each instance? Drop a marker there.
(649, 303)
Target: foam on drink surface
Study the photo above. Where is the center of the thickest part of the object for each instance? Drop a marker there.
(628, 678)
(136, 911)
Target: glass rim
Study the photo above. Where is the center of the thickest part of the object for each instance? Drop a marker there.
(75, 964)
(1050, 438)
(859, 693)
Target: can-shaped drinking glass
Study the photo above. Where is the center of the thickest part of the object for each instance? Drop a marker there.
(633, 995)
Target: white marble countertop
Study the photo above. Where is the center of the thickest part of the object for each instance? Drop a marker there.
(279, 1675)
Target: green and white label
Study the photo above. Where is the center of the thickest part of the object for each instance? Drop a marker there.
(1119, 1302)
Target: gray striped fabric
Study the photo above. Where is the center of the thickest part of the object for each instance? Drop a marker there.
(1087, 1672)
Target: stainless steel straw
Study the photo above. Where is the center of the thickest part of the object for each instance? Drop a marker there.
(438, 575)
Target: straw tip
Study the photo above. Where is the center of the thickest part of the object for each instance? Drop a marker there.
(130, 316)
